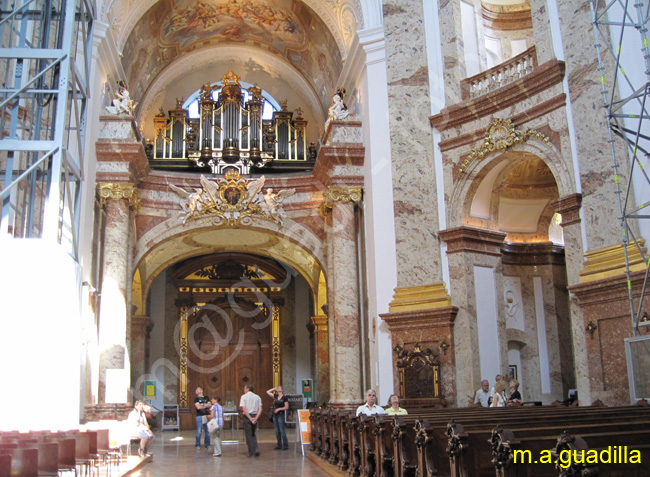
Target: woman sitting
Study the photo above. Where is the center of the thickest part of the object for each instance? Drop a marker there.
(393, 406)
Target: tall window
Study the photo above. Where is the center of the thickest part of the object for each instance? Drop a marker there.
(270, 104)
(470, 39)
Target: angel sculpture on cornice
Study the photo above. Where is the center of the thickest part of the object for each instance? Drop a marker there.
(191, 202)
(274, 203)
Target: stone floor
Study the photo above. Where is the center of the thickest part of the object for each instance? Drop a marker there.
(174, 455)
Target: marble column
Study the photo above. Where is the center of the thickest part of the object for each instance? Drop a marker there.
(470, 247)
(322, 358)
(114, 316)
(569, 208)
(411, 144)
(140, 327)
(118, 200)
(600, 207)
(343, 296)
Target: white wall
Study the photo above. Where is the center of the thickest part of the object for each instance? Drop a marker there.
(41, 346)
(486, 316)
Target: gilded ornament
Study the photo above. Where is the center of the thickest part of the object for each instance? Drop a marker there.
(340, 194)
(499, 136)
(233, 200)
(126, 191)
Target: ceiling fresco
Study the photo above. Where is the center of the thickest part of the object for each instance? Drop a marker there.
(286, 28)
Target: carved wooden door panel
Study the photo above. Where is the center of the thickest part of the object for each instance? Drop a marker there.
(225, 353)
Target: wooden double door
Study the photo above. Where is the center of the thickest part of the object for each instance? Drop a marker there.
(228, 349)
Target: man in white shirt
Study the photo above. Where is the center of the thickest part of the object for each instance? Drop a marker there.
(483, 394)
(370, 408)
(251, 407)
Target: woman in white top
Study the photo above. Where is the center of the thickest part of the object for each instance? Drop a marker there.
(499, 399)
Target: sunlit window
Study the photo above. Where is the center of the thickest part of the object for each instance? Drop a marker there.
(270, 104)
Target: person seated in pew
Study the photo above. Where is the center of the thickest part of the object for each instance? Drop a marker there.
(393, 406)
(139, 428)
(370, 408)
(499, 399)
(515, 396)
(483, 395)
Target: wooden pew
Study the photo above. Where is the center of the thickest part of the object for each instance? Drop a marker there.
(419, 440)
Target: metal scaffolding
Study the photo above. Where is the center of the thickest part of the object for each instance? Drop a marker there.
(621, 29)
(45, 70)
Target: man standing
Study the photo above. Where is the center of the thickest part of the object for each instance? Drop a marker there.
(483, 394)
(202, 405)
(251, 407)
(370, 408)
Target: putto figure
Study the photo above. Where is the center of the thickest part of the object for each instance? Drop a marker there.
(274, 203)
(338, 110)
(123, 104)
(191, 202)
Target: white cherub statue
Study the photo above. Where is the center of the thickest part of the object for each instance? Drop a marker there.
(338, 110)
(123, 104)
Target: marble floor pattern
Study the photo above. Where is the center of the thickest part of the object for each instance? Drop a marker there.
(174, 455)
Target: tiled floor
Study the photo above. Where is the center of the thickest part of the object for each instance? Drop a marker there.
(174, 455)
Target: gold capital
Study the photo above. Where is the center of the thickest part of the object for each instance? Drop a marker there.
(126, 191)
(340, 194)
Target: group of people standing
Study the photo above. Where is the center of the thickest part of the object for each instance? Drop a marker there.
(250, 405)
(497, 396)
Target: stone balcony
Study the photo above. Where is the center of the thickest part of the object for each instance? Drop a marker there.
(501, 75)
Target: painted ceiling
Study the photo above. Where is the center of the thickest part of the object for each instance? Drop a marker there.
(299, 46)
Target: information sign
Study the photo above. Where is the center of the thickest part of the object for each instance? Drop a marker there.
(170, 417)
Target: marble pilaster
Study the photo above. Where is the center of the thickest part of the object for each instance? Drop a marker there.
(140, 327)
(413, 169)
(600, 207)
(569, 208)
(343, 305)
(468, 247)
(322, 358)
(114, 313)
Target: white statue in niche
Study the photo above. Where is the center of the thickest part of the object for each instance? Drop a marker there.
(338, 111)
(123, 104)
(512, 306)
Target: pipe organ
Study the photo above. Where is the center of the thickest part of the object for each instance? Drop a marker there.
(231, 133)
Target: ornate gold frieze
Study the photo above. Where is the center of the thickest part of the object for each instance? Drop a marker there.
(340, 194)
(499, 136)
(233, 200)
(127, 191)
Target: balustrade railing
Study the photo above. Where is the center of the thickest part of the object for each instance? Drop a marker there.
(501, 75)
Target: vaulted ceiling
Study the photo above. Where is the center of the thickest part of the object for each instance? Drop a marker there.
(292, 49)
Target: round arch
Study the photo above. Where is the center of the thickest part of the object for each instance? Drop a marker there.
(464, 190)
(165, 245)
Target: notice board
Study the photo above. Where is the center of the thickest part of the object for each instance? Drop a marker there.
(170, 417)
(304, 424)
